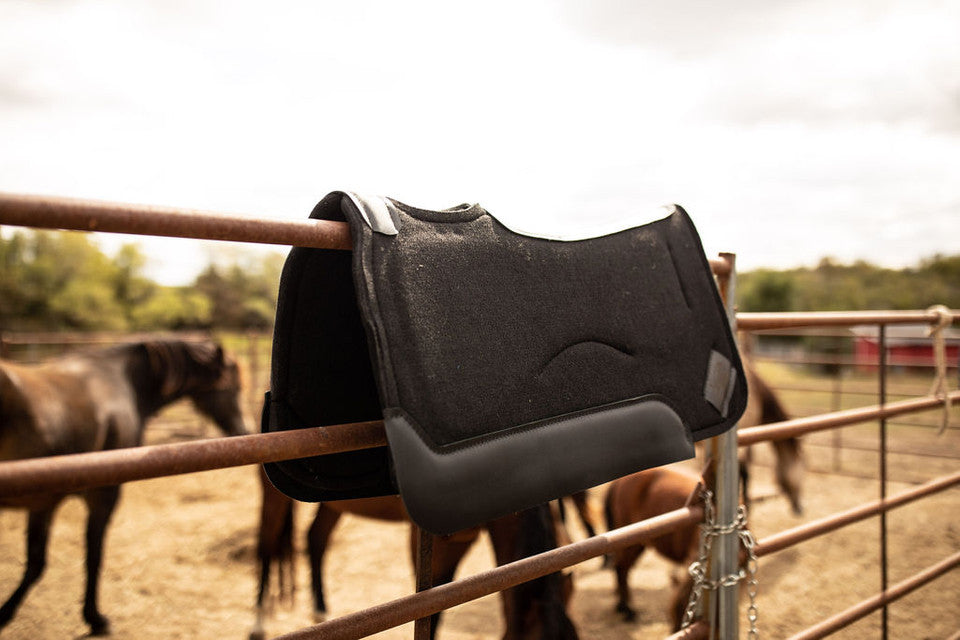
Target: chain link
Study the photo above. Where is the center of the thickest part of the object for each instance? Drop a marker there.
(698, 570)
(709, 530)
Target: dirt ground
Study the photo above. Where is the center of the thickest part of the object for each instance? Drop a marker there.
(180, 564)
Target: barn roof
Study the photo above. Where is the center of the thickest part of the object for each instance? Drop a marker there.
(904, 334)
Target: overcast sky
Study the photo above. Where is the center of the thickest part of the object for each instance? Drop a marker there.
(789, 130)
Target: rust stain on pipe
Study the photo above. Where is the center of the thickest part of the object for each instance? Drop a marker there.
(757, 321)
(699, 630)
(868, 606)
(68, 473)
(87, 470)
(51, 212)
(800, 426)
(790, 537)
(92, 215)
(419, 605)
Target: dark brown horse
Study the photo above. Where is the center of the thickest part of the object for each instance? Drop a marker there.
(535, 610)
(765, 407)
(96, 400)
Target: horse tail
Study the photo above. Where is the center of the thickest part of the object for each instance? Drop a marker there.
(611, 525)
(771, 409)
(551, 591)
(789, 466)
(275, 541)
(608, 510)
(285, 557)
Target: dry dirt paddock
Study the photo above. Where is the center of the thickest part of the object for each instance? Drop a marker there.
(180, 564)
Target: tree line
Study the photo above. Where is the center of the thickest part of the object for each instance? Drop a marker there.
(831, 286)
(59, 280)
(52, 281)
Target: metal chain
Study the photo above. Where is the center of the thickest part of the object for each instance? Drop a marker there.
(698, 570)
(750, 544)
(709, 530)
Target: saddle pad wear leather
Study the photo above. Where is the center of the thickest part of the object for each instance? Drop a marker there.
(510, 369)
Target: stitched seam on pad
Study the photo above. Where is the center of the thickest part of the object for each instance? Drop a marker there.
(480, 441)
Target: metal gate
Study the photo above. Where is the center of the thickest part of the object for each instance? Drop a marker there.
(720, 601)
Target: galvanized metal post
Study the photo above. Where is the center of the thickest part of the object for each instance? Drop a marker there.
(725, 550)
(884, 578)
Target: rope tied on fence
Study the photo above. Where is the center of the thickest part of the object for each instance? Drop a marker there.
(939, 387)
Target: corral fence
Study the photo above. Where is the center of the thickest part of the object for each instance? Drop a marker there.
(720, 603)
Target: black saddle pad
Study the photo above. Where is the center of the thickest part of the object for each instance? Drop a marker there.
(509, 369)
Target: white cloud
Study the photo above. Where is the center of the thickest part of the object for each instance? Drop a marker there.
(787, 129)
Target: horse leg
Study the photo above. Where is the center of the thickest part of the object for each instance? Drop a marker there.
(317, 538)
(580, 502)
(38, 530)
(623, 562)
(789, 471)
(100, 504)
(447, 553)
(257, 632)
(681, 596)
(274, 543)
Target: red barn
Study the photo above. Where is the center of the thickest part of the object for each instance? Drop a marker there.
(907, 345)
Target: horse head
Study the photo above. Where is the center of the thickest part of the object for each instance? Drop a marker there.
(203, 372)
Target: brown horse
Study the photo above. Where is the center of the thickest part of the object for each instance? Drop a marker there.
(535, 610)
(649, 493)
(580, 504)
(643, 495)
(96, 400)
(765, 407)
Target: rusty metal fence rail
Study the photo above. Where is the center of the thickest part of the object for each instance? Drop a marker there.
(99, 468)
(67, 473)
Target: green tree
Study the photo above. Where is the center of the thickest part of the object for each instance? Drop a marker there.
(833, 286)
(57, 280)
(243, 290)
(767, 290)
(172, 308)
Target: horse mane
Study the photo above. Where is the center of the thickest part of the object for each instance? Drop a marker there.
(171, 360)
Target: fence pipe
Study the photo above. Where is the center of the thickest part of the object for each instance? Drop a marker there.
(699, 630)
(425, 603)
(88, 470)
(757, 321)
(51, 212)
(790, 537)
(73, 472)
(724, 558)
(801, 426)
(917, 362)
(868, 606)
(63, 213)
(92, 215)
